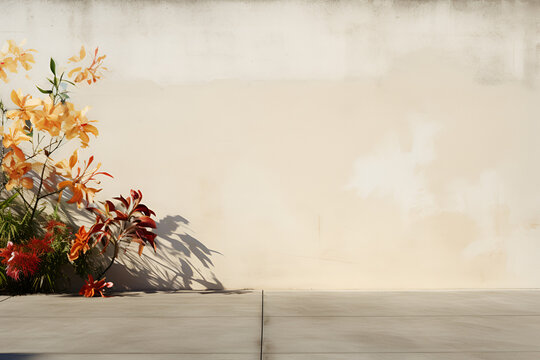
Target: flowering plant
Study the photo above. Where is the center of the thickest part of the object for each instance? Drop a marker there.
(34, 244)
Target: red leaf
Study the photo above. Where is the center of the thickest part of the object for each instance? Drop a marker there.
(110, 205)
(146, 235)
(144, 209)
(134, 194)
(120, 215)
(146, 221)
(123, 200)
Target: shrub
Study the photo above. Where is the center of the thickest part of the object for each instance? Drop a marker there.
(36, 246)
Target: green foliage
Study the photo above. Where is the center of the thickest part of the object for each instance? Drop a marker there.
(14, 227)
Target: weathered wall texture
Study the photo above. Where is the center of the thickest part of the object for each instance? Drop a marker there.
(351, 144)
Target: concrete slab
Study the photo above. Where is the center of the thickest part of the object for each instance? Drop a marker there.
(401, 334)
(408, 356)
(177, 304)
(215, 325)
(397, 303)
(153, 335)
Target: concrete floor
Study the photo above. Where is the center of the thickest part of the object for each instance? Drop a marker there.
(298, 325)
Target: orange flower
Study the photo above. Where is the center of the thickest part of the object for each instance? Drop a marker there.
(15, 136)
(78, 183)
(14, 164)
(48, 119)
(11, 55)
(7, 64)
(24, 57)
(16, 170)
(90, 74)
(79, 244)
(25, 104)
(75, 124)
(92, 287)
(66, 167)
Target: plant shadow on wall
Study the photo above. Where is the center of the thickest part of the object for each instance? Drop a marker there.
(181, 262)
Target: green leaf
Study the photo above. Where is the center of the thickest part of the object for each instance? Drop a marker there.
(44, 91)
(6, 202)
(53, 66)
(28, 128)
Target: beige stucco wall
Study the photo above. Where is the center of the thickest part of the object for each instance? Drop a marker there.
(351, 144)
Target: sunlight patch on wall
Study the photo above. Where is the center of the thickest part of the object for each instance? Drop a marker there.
(391, 171)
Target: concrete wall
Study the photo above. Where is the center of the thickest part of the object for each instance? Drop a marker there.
(300, 144)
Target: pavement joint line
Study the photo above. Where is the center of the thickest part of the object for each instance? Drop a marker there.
(9, 297)
(262, 325)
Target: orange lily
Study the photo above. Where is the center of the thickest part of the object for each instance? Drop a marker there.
(48, 119)
(78, 183)
(79, 244)
(7, 63)
(15, 171)
(24, 57)
(92, 287)
(15, 136)
(76, 124)
(90, 74)
(25, 104)
(18, 55)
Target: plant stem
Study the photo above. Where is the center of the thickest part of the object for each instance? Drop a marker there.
(111, 263)
(51, 193)
(3, 110)
(39, 190)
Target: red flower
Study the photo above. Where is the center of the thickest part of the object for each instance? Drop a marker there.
(18, 261)
(24, 259)
(92, 287)
(53, 225)
(39, 246)
(5, 253)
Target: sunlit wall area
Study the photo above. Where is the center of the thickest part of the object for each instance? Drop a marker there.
(314, 145)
